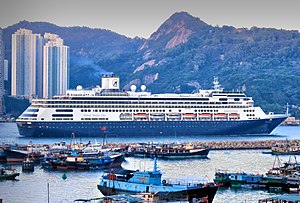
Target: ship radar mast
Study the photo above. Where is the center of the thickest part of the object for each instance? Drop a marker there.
(217, 86)
(155, 165)
(287, 109)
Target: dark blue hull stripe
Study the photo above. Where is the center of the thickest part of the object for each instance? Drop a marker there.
(148, 128)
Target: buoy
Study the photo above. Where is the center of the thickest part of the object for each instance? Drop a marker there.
(64, 176)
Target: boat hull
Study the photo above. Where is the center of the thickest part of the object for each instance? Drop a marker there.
(188, 195)
(9, 176)
(14, 155)
(170, 155)
(148, 128)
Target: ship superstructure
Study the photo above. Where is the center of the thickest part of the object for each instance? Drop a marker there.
(108, 110)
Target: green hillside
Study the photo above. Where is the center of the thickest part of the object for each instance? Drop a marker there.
(183, 55)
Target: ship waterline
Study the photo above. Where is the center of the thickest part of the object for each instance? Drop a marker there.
(107, 110)
(150, 128)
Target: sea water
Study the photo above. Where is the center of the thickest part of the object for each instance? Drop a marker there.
(33, 187)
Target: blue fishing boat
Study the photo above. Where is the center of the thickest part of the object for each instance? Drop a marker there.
(151, 182)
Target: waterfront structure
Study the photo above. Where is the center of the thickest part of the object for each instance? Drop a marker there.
(107, 110)
(56, 66)
(26, 63)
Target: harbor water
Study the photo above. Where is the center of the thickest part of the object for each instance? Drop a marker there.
(32, 186)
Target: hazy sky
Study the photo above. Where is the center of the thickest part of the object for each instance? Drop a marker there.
(142, 18)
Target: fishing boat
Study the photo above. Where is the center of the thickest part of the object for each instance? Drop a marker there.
(8, 174)
(15, 155)
(151, 182)
(238, 179)
(82, 161)
(222, 178)
(285, 149)
(169, 151)
(284, 176)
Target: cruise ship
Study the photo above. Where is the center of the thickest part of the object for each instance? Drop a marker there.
(106, 110)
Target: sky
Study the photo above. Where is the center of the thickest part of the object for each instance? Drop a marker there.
(141, 18)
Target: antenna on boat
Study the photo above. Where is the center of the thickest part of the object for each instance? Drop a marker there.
(217, 86)
(287, 109)
(155, 164)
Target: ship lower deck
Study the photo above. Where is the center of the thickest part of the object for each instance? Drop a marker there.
(147, 128)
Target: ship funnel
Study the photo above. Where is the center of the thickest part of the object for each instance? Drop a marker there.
(110, 82)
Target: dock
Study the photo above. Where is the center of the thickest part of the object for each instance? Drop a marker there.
(213, 145)
(239, 145)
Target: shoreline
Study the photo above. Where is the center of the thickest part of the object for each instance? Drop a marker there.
(242, 145)
(212, 145)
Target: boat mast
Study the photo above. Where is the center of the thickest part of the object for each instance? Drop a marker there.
(155, 165)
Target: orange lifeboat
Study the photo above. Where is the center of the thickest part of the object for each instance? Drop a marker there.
(189, 115)
(234, 115)
(221, 115)
(140, 115)
(205, 115)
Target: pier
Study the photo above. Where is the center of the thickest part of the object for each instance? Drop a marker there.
(238, 145)
(213, 145)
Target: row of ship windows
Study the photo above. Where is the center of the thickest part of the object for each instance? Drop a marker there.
(124, 127)
(221, 100)
(249, 110)
(145, 106)
(59, 119)
(134, 107)
(32, 119)
(142, 124)
(141, 110)
(94, 119)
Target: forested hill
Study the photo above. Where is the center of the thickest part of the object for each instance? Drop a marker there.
(183, 55)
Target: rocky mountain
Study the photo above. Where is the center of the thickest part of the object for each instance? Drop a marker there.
(183, 55)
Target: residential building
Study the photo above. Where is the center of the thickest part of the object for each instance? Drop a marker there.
(26, 64)
(56, 66)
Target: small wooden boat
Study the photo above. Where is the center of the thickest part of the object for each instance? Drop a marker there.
(169, 151)
(7, 174)
(13, 155)
(285, 149)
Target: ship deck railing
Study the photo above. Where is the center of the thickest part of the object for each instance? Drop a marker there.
(190, 182)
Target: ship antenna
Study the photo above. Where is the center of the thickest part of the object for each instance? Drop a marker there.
(155, 165)
(217, 85)
(287, 109)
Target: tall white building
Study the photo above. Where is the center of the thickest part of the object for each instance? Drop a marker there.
(27, 66)
(55, 66)
(39, 65)
(1, 72)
